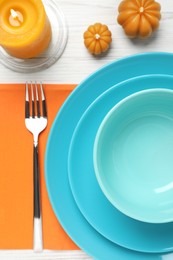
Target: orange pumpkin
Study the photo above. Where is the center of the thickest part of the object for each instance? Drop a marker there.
(97, 38)
(139, 18)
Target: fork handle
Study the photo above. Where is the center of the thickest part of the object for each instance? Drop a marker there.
(38, 243)
(37, 212)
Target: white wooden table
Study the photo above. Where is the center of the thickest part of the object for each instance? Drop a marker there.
(76, 63)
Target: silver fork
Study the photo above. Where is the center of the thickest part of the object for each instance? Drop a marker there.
(36, 123)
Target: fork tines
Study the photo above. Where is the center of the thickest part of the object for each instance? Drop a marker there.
(35, 96)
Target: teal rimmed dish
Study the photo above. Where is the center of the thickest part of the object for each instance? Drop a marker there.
(56, 160)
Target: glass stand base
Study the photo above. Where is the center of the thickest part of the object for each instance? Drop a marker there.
(55, 49)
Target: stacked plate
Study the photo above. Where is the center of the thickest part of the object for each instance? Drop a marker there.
(88, 216)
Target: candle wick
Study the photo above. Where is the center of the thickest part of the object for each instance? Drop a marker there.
(16, 18)
(14, 14)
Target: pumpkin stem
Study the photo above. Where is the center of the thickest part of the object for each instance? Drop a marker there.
(97, 36)
(141, 9)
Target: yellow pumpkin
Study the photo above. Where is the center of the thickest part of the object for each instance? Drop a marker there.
(139, 18)
(97, 38)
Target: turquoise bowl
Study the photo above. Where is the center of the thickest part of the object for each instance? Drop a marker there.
(133, 156)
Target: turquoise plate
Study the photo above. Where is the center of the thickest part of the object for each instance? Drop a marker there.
(56, 158)
(98, 211)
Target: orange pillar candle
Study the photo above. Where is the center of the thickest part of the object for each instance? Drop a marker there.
(25, 30)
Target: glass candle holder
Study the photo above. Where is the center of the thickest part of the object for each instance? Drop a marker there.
(52, 53)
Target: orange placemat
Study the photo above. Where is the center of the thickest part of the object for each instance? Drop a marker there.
(16, 171)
